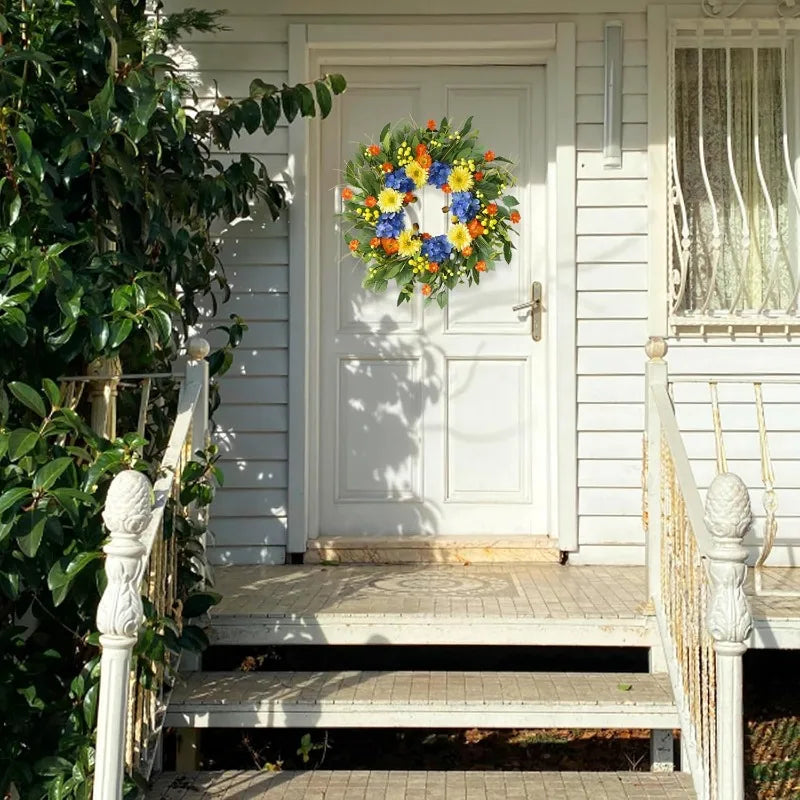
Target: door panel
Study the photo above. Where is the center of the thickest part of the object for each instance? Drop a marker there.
(434, 422)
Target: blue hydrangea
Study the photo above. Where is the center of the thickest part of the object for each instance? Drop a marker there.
(464, 205)
(390, 225)
(399, 180)
(436, 249)
(438, 174)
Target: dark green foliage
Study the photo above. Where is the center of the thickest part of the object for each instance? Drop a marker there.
(108, 194)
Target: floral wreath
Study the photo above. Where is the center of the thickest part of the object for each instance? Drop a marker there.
(382, 179)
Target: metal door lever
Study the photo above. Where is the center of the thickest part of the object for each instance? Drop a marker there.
(535, 304)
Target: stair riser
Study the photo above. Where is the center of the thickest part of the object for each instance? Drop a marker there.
(418, 630)
(315, 717)
(465, 555)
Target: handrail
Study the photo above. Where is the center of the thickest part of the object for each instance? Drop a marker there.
(696, 574)
(683, 469)
(140, 562)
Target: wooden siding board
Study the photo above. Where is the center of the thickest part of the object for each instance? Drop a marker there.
(611, 300)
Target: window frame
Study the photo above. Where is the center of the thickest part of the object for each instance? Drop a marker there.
(668, 30)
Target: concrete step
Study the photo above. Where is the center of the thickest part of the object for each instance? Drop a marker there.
(420, 699)
(345, 785)
(480, 604)
(432, 550)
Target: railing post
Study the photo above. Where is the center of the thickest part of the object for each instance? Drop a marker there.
(197, 372)
(655, 375)
(103, 395)
(728, 518)
(127, 514)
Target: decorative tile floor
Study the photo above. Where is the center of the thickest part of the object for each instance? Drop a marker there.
(424, 786)
(478, 590)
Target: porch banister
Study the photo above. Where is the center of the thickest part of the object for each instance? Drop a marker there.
(728, 518)
(127, 515)
(655, 375)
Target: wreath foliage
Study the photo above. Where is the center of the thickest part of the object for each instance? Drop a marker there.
(384, 178)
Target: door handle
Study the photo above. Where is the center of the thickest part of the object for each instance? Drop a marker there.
(536, 307)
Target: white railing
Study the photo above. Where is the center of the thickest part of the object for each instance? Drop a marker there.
(733, 399)
(696, 575)
(140, 561)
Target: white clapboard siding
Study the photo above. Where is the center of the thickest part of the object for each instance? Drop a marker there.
(611, 248)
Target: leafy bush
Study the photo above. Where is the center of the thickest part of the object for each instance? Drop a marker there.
(108, 195)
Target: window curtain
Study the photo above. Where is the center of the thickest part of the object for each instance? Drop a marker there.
(738, 275)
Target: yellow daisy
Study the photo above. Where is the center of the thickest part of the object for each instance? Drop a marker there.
(459, 236)
(460, 179)
(417, 173)
(390, 200)
(407, 245)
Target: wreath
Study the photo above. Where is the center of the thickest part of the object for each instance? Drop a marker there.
(383, 179)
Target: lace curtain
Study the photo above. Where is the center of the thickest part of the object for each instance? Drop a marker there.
(749, 269)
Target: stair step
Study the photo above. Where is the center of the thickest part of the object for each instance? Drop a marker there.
(431, 550)
(481, 604)
(354, 699)
(345, 785)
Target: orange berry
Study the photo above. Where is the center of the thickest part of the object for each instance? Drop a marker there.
(467, 251)
(433, 266)
(426, 236)
(478, 176)
(373, 149)
(374, 241)
(347, 193)
(491, 209)
(426, 289)
(353, 245)
(489, 156)
(431, 124)
(515, 217)
(371, 202)
(446, 188)
(387, 167)
(481, 266)
(408, 197)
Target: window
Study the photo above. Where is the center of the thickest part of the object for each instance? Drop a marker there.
(734, 201)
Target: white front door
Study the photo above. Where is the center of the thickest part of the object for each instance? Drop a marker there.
(434, 422)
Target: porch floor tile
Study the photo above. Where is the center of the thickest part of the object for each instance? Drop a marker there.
(396, 785)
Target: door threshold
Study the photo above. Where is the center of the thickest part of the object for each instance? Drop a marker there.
(420, 549)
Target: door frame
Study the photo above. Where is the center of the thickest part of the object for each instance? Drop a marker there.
(316, 49)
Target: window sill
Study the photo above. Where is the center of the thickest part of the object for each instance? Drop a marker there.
(718, 326)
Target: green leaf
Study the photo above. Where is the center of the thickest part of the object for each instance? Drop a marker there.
(28, 397)
(510, 200)
(442, 298)
(32, 530)
(193, 638)
(338, 83)
(323, 98)
(13, 210)
(12, 497)
(270, 112)
(23, 144)
(99, 330)
(47, 475)
(51, 766)
(52, 391)
(307, 106)
(251, 115)
(20, 442)
(163, 323)
(199, 602)
(624, 687)
(290, 102)
(120, 330)
(90, 705)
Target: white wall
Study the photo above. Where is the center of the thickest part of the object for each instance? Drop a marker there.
(250, 514)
